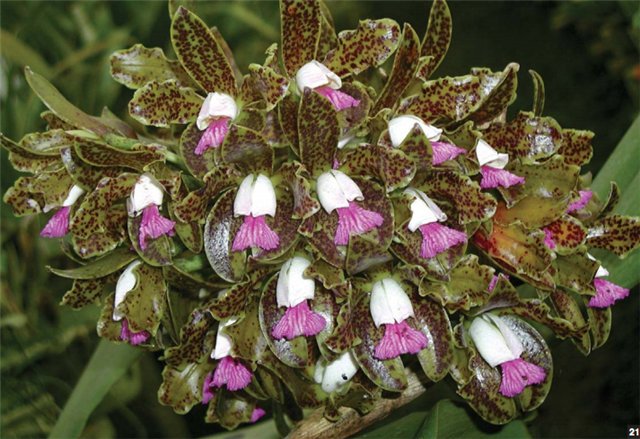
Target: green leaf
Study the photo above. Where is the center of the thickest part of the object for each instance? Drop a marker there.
(98, 268)
(163, 103)
(17, 52)
(300, 32)
(94, 383)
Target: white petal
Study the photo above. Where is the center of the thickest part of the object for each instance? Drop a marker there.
(337, 373)
(329, 193)
(490, 343)
(488, 156)
(216, 105)
(263, 197)
(74, 193)
(126, 282)
(389, 303)
(423, 210)
(312, 75)
(147, 191)
(602, 272)
(401, 126)
(223, 341)
(293, 287)
(512, 340)
(349, 187)
(242, 202)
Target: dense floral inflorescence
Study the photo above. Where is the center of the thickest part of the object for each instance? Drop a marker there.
(302, 233)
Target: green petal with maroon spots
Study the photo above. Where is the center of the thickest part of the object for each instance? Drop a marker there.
(389, 166)
(618, 234)
(344, 332)
(527, 136)
(200, 54)
(54, 122)
(98, 244)
(367, 46)
(284, 225)
(318, 132)
(288, 119)
(46, 143)
(181, 386)
(61, 107)
(612, 200)
(157, 252)
(353, 120)
(501, 95)
(569, 309)
(193, 207)
(469, 202)
(161, 104)
(324, 303)
(233, 303)
(107, 327)
(101, 267)
(300, 32)
(538, 93)
(248, 340)
(576, 146)
(83, 174)
(145, 305)
(575, 272)
(86, 291)
(189, 233)
(270, 84)
(297, 352)
(197, 339)
(518, 251)
(228, 53)
(365, 252)
(296, 176)
(402, 73)
(327, 274)
(189, 284)
(247, 149)
(320, 229)
(599, 325)
(361, 396)
(27, 161)
(387, 374)
(568, 234)
(416, 146)
(328, 39)
(233, 410)
(102, 155)
(54, 186)
(219, 231)
(468, 285)
(306, 393)
(432, 320)
(437, 37)
(139, 65)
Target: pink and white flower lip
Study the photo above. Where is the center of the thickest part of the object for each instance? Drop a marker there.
(492, 164)
(293, 291)
(336, 374)
(585, 197)
(147, 195)
(390, 306)
(426, 216)
(127, 282)
(401, 126)
(58, 225)
(217, 111)
(336, 191)
(498, 345)
(318, 77)
(255, 199)
(607, 293)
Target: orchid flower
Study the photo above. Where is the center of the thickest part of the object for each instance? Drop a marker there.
(607, 293)
(337, 373)
(320, 79)
(492, 166)
(499, 345)
(127, 282)
(217, 111)
(146, 196)
(255, 199)
(58, 225)
(390, 306)
(401, 126)
(585, 197)
(336, 191)
(426, 216)
(293, 291)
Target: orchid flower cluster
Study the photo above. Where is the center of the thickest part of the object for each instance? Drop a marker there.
(300, 233)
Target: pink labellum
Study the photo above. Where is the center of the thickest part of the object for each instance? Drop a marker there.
(548, 239)
(607, 293)
(354, 220)
(213, 136)
(585, 197)
(256, 414)
(399, 338)
(494, 177)
(517, 374)
(207, 391)
(58, 225)
(231, 372)
(134, 338)
(153, 225)
(340, 100)
(437, 238)
(443, 151)
(255, 232)
(298, 320)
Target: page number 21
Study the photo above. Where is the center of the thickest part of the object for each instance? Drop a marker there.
(633, 431)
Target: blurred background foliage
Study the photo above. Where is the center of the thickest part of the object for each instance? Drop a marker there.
(586, 51)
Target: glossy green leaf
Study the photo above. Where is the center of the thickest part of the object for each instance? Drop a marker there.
(160, 104)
